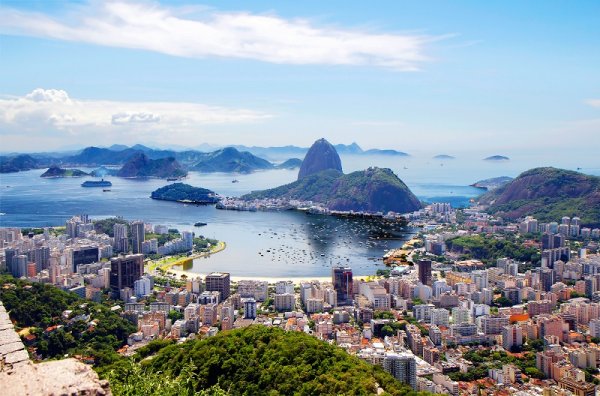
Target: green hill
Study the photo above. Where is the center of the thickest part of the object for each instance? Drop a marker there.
(256, 360)
(141, 166)
(17, 163)
(372, 190)
(55, 171)
(181, 192)
(548, 194)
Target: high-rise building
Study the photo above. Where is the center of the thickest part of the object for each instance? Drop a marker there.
(120, 236)
(84, 255)
(124, 271)
(219, 281)
(249, 308)
(403, 367)
(137, 236)
(425, 272)
(546, 279)
(512, 336)
(9, 255)
(341, 277)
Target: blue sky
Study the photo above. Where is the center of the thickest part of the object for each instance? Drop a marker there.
(438, 76)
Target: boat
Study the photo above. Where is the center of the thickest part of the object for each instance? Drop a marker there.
(235, 181)
(172, 178)
(200, 224)
(96, 183)
(105, 189)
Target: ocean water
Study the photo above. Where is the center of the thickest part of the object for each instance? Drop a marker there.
(275, 244)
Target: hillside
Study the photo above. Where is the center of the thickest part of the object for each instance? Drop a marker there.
(55, 171)
(91, 329)
(141, 166)
(492, 183)
(231, 160)
(321, 156)
(372, 190)
(181, 192)
(252, 361)
(17, 163)
(548, 194)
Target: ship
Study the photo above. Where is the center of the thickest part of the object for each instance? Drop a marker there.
(96, 183)
(172, 178)
(200, 224)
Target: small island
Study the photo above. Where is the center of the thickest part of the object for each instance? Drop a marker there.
(496, 158)
(55, 171)
(493, 183)
(180, 192)
(444, 157)
(292, 163)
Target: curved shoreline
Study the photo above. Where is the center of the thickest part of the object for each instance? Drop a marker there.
(182, 261)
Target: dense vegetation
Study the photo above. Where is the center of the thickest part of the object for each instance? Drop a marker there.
(106, 226)
(490, 249)
(485, 359)
(185, 193)
(374, 190)
(91, 330)
(259, 360)
(55, 171)
(548, 194)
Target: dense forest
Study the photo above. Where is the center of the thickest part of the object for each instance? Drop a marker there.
(91, 330)
(253, 360)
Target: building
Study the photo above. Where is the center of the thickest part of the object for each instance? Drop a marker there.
(219, 281)
(249, 308)
(342, 284)
(512, 337)
(124, 271)
(138, 236)
(285, 302)
(403, 367)
(121, 243)
(84, 255)
(424, 269)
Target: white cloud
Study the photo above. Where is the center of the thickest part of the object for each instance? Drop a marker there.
(593, 102)
(43, 112)
(263, 37)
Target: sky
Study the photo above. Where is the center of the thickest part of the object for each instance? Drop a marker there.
(491, 77)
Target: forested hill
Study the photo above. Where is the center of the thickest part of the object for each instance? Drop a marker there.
(548, 194)
(257, 360)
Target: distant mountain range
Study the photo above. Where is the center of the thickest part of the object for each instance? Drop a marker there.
(238, 159)
(548, 194)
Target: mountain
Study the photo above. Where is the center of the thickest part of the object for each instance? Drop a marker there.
(141, 166)
(321, 156)
(548, 194)
(292, 163)
(118, 147)
(496, 158)
(256, 360)
(371, 190)
(385, 152)
(443, 157)
(230, 159)
(55, 171)
(492, 183)
(181, 192)
(96, 156)
(17, 163)
(348, 149)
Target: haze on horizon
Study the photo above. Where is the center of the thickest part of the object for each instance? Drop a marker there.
(490, 77)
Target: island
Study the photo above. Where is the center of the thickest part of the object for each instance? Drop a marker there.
(443, 157)
(140, 165)
(55, 171)
(180, 192)
(496, 158)
(292, 163)
(231, 160)
(492, 183)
